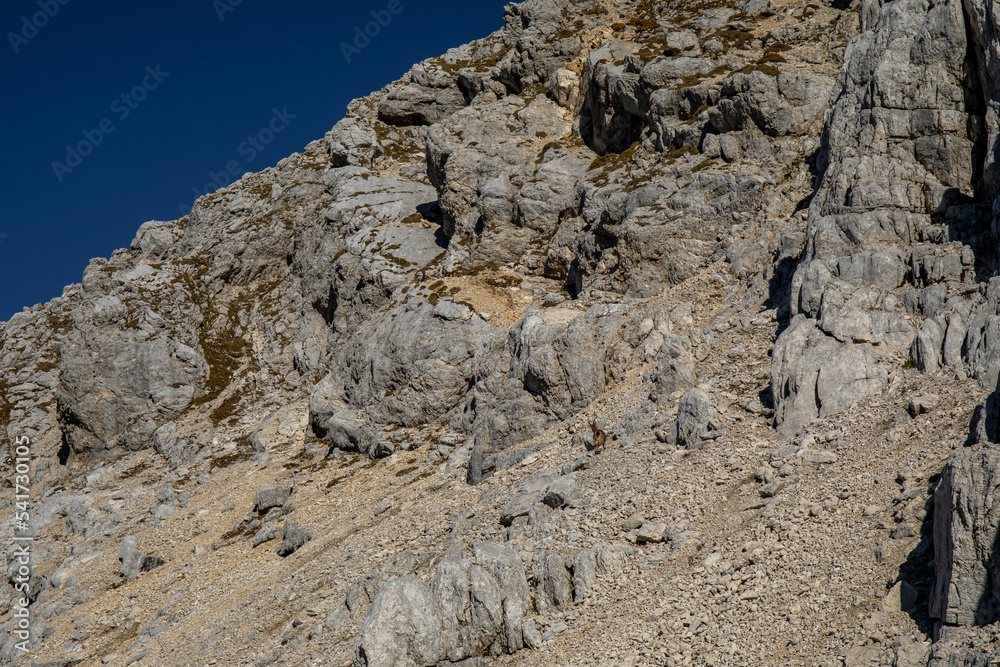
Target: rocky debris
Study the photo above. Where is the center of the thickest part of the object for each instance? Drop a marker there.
(134, 562)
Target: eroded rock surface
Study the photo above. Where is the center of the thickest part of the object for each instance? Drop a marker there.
(633, 333)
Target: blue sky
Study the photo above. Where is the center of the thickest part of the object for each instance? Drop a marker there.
(155, 98)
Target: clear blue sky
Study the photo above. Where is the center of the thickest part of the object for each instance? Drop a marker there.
(217, 82)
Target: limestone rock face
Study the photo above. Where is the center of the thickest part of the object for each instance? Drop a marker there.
(403, 627)
(892, 229)
(472, 608)
(966, 540)
(622, 332)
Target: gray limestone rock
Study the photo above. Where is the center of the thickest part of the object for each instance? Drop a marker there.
(584, 567)
(674, 369)
(403, 627)
(966, 539)
(814, 375)
(270, 496)
(472, 608)
(872, 205)
(294, 536)
(698, 422)
(552, 581)
(134, 562)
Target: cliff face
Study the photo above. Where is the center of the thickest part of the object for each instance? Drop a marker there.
(633, 333)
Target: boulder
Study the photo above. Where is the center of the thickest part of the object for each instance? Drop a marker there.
(403, 627)
(473, 608)
(698, 422)
(295, 537)
(133, 562)
(270, 496)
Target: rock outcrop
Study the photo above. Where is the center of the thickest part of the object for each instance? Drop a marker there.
(633, 333)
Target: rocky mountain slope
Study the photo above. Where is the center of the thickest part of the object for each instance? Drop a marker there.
(636, 333)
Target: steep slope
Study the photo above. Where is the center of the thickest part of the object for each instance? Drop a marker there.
(634, 333)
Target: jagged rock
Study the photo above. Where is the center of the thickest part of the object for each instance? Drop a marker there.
(133, 562)
(813, 375)
(482, 251)
(402, 627)
(698, 421)
(474, 608)
(431, 96)
(270, 496)
(506, 567)
(294, 538)
(674, 369)
(112, 395)
(470, 607)
(552, 580)
(870, 219)
(926, 350)
(966, 531)
(155, 238)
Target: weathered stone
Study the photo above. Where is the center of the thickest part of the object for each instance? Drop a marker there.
(295, 537)
(698, 422)
(403, 627)
(966, 535)
(133, 562)
(650, 532)
(553, 585)
(270, 496)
